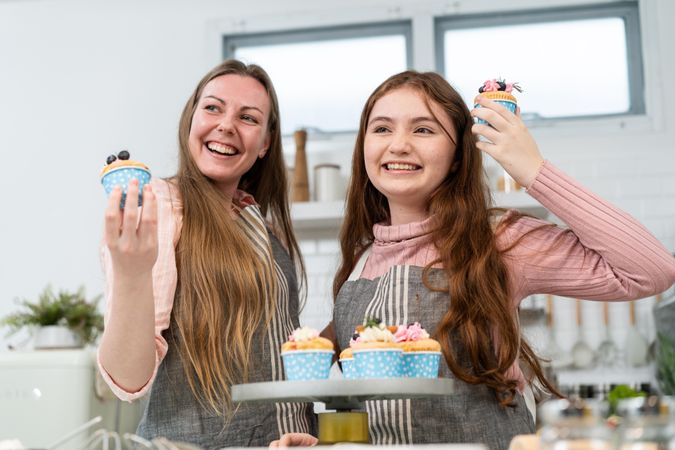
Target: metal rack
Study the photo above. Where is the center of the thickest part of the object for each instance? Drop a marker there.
(110, 440)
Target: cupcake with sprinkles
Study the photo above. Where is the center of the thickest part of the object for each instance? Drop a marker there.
(376, 353)
(421, 353)
(306, 355)
(119, 170)
(501, 92)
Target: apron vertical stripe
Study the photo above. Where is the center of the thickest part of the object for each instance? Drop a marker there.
(290, 417)
(390, 420)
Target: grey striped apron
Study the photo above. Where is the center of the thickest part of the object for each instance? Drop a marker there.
(173, 412)
(470, 415)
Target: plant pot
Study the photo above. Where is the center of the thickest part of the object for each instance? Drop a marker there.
(56, 336)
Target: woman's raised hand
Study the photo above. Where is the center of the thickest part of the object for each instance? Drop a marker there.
(294, 440)
(511, 144)
(131, 233)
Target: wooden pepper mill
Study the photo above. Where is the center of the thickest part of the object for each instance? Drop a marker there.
(300, 180)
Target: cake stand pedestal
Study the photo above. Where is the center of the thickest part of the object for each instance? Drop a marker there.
(349, 423)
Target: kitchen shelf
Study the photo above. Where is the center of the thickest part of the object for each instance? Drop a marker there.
(328, 215)
(606, 376)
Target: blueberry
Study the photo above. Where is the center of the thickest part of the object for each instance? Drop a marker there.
(355, 336)
(123, 155)
(111, 159)
(481, 89)
(502, 85)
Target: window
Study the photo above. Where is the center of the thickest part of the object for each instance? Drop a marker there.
(323, 77)
(581, 62)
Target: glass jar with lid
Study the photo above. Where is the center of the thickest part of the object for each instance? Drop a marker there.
(647, 423)
(575, 424)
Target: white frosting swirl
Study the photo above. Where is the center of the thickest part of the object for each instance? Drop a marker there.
(303, 334)
(376, 334)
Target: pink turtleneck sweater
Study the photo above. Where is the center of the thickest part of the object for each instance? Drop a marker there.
(604, 255)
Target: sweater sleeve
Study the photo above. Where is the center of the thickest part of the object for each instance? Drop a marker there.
(605, 254)
(164, 279)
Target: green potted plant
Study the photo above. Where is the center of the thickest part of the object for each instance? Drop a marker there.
(62, 320)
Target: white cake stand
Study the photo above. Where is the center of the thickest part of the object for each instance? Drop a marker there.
(350, 422)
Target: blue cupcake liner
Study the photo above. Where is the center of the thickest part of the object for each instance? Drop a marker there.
(349, 368)
(421, 364)
(379, 363)
(307, 364)
(511, 106)
(121, 177)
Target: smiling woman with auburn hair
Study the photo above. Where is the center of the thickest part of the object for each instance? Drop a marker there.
(421, 243)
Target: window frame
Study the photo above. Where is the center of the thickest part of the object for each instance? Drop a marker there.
(628, 11)
(404, 27)
(230, 42)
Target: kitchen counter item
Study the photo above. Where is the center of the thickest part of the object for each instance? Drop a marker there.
(636, 344)
(557, 357)
(575, 425)
(582, 353)
(608, 353)
(45, 394)
(328, 183)
(647, 422)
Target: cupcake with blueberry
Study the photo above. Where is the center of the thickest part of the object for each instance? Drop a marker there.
(421, 353)
(376, 353)
(119, 170)
(306, 355)
(501, 92)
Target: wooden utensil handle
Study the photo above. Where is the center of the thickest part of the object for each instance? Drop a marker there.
(300, 178)
(578, 305)
(300, 139)
(549, 311)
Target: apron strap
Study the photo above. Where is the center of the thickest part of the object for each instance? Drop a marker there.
(360, 264)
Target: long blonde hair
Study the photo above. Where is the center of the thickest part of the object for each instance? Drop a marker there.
(225, 290)
(475, 273)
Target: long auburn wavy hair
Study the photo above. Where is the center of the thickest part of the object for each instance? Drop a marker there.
(225, 290)
(480, 314)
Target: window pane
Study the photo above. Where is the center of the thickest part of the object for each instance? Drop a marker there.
(571, 68)
(324, 84)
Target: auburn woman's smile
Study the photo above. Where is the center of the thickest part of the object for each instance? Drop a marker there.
(401, 167)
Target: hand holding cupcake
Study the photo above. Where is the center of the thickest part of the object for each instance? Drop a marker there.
(119, 170)
(500, 92)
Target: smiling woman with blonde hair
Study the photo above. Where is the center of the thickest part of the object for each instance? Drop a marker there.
(203, 292)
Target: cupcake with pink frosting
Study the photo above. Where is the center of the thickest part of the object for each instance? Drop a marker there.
(501, 92)
(421, 353)
(306, 355)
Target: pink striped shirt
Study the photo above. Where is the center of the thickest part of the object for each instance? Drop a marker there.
(605, 254)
